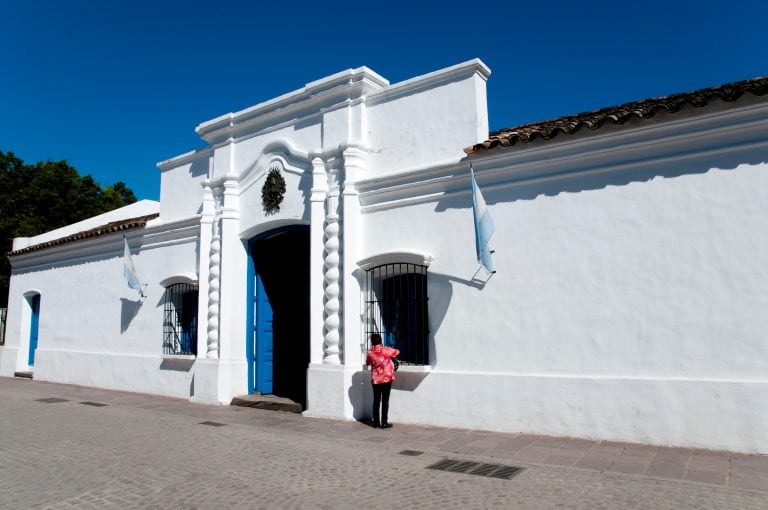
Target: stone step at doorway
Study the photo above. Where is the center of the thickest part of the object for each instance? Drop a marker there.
(270, 402)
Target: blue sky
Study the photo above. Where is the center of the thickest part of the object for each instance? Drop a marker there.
(114, 87)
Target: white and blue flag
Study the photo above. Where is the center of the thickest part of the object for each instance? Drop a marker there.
(129, 270)
(484, 227)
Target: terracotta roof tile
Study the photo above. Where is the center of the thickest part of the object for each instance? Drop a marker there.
(115, 226)
(645, 109)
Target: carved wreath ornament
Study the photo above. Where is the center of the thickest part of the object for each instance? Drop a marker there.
(273, 191)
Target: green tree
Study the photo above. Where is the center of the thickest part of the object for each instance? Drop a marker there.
(45, 196)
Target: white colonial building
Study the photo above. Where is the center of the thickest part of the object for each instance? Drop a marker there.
(629, 303)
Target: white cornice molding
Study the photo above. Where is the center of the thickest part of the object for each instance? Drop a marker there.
(109, 245)
(323, 93)
(291, 159)
(258, 229)
(182, 159)
(626, 148)
(397, 256)
(131, 212)
(430, 80)
(341, 90)
(345, 89)
(188, 278)
(704, 129)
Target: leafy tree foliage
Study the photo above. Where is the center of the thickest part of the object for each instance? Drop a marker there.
(45, 196)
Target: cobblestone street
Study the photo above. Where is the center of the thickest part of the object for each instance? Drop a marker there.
(64, 446)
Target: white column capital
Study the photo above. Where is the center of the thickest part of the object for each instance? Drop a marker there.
(209, 203)
(355, 166)
(230, 208)
(319, 181)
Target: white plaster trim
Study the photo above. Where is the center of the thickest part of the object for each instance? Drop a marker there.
(328, 367)
(167, 234)
(418, 369)
(400, 256)
(678, 139)
(179, 356)
(128, 212)
(181, 159)
(430, 80)
(328, 90)
(692, 130)
(190, 278)
(101, 353)
(279, 152)
(601, 377)
(262, 228)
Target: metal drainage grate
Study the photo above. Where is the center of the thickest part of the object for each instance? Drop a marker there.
(411, 453)
(212, 423)
(51, 400)
(476, 468)
(93, 404)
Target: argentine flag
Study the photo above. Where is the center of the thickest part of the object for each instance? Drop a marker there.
(129, 271)
(484, 227)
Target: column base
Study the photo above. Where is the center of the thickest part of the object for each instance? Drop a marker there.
(338, 391)
(218, 381)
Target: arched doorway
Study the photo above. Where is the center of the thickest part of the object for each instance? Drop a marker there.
(278, 313)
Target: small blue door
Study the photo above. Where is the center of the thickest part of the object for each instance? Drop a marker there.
(263, 353)
(35, 303)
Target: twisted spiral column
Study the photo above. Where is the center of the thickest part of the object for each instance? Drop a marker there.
(214, 270)
(332, 288)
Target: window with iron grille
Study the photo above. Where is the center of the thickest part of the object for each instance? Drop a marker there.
(396, 307)
(180, 319)
(3, 317)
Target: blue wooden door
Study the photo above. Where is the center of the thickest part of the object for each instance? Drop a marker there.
(35, 303)
(263, 352)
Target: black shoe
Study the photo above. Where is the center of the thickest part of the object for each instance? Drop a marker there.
(375, 424)
(386, 425)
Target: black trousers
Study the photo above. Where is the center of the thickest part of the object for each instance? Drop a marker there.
(381, 398)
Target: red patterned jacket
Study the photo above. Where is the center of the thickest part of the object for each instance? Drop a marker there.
(380, 360)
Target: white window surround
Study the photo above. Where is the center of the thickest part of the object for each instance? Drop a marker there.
(179, 356)
(405, 256)
(399, 262)
(190, 278)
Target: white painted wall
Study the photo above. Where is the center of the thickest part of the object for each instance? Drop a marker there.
(628, 305)
(181, 191)
(427, 120)
(93, 329)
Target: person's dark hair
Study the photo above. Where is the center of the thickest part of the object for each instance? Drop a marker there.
(375, 339)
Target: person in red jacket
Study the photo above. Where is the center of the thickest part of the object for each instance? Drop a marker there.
(382, 374)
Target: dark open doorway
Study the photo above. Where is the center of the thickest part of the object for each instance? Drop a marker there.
(279, 350)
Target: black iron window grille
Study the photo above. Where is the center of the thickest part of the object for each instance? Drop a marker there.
(3, 320)
(396, 302)
(180, 319)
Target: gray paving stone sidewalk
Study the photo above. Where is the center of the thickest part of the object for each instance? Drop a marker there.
(64, 446)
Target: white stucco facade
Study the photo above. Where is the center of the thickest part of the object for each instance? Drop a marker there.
(628, 302)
